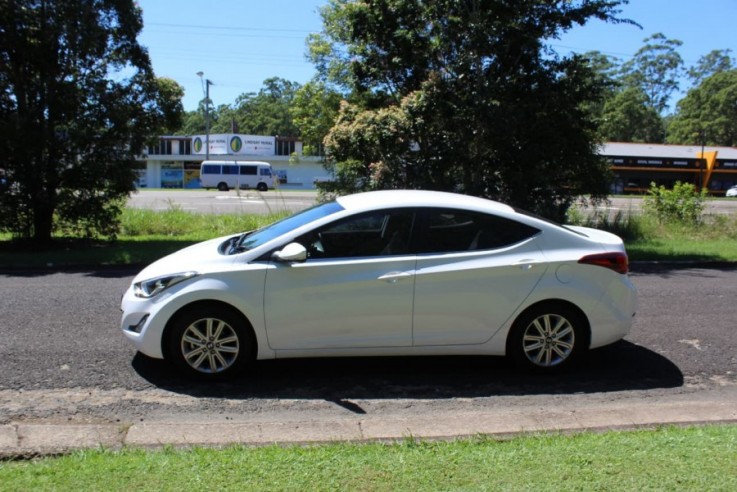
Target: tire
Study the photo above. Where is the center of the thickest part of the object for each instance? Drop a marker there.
(210, 342)
(547, 338)
(222, 186)
(262, 187)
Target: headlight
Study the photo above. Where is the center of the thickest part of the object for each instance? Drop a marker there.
(151, 287)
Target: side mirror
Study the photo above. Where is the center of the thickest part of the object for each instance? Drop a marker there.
(291, 253)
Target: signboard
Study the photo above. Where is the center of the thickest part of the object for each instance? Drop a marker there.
(234, 144)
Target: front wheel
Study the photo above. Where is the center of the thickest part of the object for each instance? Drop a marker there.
(210, 342)
(262, 187)
(547, 337)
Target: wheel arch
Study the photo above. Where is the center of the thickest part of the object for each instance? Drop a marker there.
(551, 302)
(209, 303)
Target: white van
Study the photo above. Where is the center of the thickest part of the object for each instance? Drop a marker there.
(225, 175)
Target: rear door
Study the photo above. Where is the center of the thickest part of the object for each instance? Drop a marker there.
(473, 271)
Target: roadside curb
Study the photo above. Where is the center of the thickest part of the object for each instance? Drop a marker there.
(20, 439)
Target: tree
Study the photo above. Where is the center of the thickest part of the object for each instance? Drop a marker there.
(627, 117)
(314, 110)
(714, 62)
(78, 102)
(263, 113)
(707, 114)
(465, 96)
(656, 69)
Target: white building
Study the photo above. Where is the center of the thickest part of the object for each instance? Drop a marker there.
(175, 161)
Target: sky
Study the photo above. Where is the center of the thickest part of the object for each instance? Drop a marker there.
(237, 44)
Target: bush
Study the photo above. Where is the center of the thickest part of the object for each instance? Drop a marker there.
(683, 204)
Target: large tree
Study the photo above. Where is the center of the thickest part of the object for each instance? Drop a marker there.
(465, 95)
(656, 70)
(78, 102)
(708, 113)
(314, 110)
(713, 62)
(262, 113)
(627, 117)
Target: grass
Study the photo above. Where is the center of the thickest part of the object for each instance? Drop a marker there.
(670, 458)
(147, 235)
(713, 239)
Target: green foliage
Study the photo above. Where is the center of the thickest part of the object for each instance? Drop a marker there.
(716, 61)
(314, 110)
(683, 204)
(78, 102)
(656, 69)
(707, 114)
(627, 117)
(463, 96)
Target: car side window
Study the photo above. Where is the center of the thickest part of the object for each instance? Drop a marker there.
(378, 233)
(447, 231)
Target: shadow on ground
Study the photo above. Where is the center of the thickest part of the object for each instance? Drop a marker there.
(618, 367)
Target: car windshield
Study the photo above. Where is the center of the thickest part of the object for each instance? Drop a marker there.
(266, 234)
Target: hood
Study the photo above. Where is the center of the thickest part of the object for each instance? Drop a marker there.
(201, 258)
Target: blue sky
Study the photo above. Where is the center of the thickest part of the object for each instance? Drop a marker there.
(240, 43)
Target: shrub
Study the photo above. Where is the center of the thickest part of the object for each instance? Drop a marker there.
(683, 204)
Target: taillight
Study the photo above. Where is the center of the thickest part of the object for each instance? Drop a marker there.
(614, 261)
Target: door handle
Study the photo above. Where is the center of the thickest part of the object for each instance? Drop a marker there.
(394, 277)
(527, 264)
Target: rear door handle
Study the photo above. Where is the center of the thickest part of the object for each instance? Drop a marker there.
(527, 264)
(394, 277)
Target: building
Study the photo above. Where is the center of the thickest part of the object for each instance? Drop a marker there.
(635, 166)
(174, 162)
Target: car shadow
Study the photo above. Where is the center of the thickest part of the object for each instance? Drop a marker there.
(619, 367)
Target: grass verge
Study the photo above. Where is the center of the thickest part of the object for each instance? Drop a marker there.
(147, 235)
(670, 458)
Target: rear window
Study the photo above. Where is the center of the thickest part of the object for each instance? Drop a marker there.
(211, 169)
(448, 231)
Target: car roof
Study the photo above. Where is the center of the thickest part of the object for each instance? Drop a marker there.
(419, 198)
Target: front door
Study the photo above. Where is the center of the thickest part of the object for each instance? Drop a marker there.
(355, 290)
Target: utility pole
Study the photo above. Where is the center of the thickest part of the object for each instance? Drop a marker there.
(206, 83)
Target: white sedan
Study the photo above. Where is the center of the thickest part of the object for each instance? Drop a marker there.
(385, 273)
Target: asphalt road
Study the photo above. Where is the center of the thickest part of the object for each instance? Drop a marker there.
(224, 202)
(63, 359)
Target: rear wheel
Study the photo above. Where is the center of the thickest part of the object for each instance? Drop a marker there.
(210, 342)
(222, 186)
(547, 337)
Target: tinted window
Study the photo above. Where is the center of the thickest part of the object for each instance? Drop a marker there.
(211, 169)
(230, 169)
(248, 170)
(265, 171)
(445, 231)
(379, 233)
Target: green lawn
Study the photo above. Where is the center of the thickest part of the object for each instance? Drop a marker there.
(697, 458)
